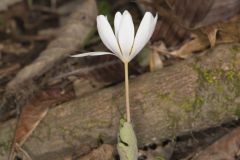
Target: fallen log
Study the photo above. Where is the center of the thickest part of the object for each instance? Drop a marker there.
(193, 95)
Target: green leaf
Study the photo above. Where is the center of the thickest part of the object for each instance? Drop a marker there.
(127, 142)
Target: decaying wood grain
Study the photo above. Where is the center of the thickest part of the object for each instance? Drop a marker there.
(189, 96)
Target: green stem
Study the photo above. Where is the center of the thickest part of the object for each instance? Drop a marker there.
(127, 92)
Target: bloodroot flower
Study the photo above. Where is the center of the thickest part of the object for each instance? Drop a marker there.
(123, 44)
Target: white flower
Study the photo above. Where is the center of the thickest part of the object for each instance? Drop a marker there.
(123, 44)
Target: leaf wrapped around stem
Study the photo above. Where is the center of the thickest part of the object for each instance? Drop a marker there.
(127, 142)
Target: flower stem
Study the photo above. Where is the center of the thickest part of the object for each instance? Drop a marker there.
(127, 92)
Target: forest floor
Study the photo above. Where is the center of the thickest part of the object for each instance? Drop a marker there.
(184, 85)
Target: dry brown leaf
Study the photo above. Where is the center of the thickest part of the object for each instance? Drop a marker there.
(228, 147)
(208, 20)
(32, 114)
(200, 13)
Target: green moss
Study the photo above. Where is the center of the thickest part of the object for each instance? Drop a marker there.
(233, 79)
(217, 76)
(220, 87)
(191, 105)
(208, 76)
(187, 106)
(166, 96)
(231, 75)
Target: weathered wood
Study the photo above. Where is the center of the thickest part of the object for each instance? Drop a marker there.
(195, 94)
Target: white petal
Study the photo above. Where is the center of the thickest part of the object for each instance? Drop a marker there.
(106, 34)
(153, 26)
(91, 54)
(97, 54)
(144, 33)
(126, 34)
(117, 22)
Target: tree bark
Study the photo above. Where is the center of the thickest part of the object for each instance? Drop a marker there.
(189, 96)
